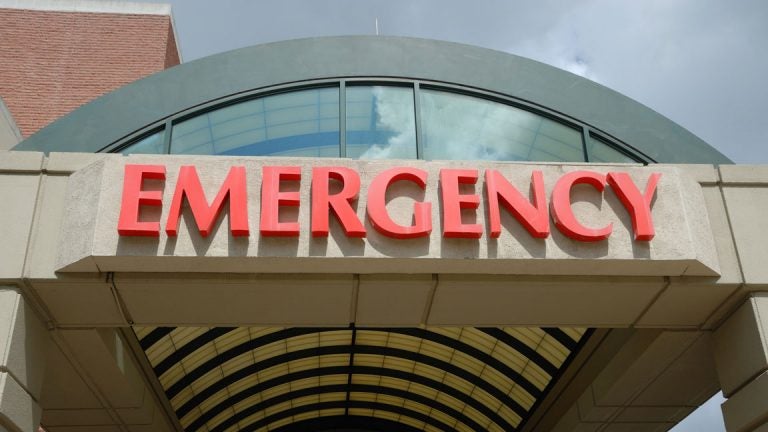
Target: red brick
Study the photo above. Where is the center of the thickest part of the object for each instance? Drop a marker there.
(53, 62)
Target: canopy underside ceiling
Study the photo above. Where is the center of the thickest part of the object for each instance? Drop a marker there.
(430, 379)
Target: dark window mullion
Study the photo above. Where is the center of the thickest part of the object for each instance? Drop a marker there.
(417, 117)
(342, 118)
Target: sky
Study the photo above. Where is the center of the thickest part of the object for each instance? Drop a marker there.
(701, 63)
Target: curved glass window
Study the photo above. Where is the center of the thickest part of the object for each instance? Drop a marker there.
(457, 126)
(393, 120)
(600, 151)
(151, 144)
(380, 122)
(298, 123)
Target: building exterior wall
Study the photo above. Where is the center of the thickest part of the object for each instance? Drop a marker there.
(9, 132)
(63, 59)
(654, 372)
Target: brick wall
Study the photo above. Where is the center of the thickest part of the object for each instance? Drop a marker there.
(53, 62)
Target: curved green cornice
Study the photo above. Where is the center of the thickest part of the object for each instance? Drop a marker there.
(134, 106)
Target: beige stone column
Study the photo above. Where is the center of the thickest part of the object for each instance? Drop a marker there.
(24, 342)
(741, 355)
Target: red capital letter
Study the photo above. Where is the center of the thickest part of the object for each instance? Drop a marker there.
(272, 199)
(562, 212)
(377, 209)
(453, 202)
(637, 204)
(534, 217)
(134, 197)
(188, 184)
(340, 203)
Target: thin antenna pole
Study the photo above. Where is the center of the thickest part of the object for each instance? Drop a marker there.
(377, 26)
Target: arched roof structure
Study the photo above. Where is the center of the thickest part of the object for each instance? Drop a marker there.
(195, 86)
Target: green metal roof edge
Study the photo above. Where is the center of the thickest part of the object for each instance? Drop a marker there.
(149, 100)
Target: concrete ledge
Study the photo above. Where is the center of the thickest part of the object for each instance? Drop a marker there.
(67, 163)
(21, 161)
(749, 174)
(747, 409)
(741, 345)
(17, 408)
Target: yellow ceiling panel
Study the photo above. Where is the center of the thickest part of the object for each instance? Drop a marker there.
(306, 400)
(389, 400)
(417, 407)
(232, 339)
(333, 379)
(443, 417)
(510, 357)
(275, 391)
(369, 360)
(276, 408)
(574, 333)
(450, 402)
(269, 350)
(273, 372)
(237, 363)
(536, 376)
(403, 342)
(478, 339)
(297, 343)
(250, 419)
(334, 360)
(223, 416)
(276, 424)
(360, 396)
(331, 412)
(304, 416)
(366, 379)
(182, 335)
(375, 338)
(437, 351)
(183, 396)
(364, 412)
(427, 392)
(214, 400)
(418, 424)
(242, 384)
(522, 397)
(247, 402)
(199, 357)
(398, 363)
(429, 372)
(458, 383)
(469, 363)
(305, 383)
(393, 382)
(387, 415)
(553, 350)
(333, 338)
(207, 380)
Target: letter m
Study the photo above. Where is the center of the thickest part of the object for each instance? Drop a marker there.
(188, 185)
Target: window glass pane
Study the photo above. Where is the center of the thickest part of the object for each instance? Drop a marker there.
(465, 127)
(600, 151)
(300, 123)
(381, 123)
(152, 144)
